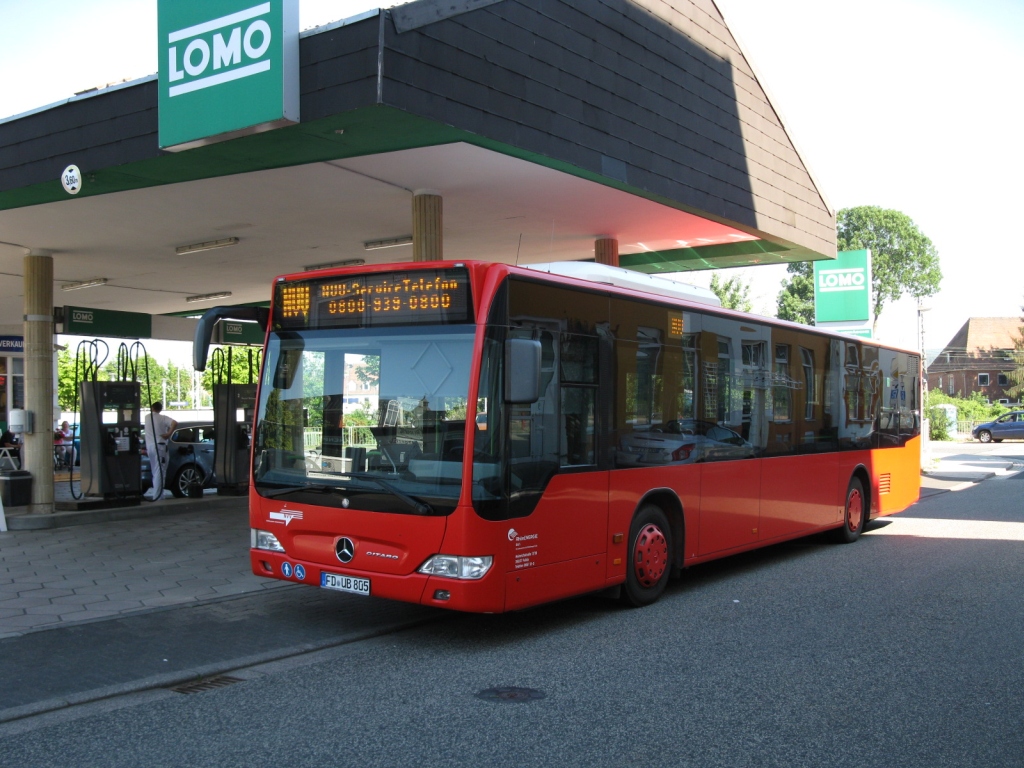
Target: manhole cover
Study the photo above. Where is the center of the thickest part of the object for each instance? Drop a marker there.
(509, 693)
(209, 684)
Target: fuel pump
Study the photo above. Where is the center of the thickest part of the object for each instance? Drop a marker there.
(233, 437)
(111, 426)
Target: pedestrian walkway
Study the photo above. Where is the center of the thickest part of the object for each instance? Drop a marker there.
(185, 551)
(960, 471)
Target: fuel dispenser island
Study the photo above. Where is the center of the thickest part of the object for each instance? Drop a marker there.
(233, 411)
(111, 423)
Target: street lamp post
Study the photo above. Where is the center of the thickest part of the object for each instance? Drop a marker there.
(921, 309)
(923, 391)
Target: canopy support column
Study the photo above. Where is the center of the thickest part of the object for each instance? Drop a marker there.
(606, 251)
(37, 448)
(427, 221)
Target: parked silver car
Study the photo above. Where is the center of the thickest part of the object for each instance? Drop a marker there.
(189, 459)
(686, 441)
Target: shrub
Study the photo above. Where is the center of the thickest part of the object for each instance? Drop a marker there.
(973, 408)
(938, 425)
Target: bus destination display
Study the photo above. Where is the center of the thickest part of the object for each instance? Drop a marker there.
(387, 298)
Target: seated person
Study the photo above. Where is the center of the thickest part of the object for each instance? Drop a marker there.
(64, 445)
(10, 442)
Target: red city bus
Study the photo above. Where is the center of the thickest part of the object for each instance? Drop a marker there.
(482, 437)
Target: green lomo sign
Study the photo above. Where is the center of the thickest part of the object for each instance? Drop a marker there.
(842, 288)
(227, 68)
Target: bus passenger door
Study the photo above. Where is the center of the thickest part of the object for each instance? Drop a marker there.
(732, 429)
(556, 548)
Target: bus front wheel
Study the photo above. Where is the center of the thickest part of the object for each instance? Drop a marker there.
(649, 563)
(855, 516)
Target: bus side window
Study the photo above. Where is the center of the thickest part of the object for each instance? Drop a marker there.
(578, 400)
(533, 432)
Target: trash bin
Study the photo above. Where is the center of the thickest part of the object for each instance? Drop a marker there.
(16, 488)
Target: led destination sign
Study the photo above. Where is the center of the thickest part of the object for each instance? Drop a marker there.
(422, 296)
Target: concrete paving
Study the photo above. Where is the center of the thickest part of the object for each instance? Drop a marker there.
(955, 466)
(182, 551)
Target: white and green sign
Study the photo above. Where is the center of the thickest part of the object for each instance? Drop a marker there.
(233, 332)
(227, 68)
(842, 288)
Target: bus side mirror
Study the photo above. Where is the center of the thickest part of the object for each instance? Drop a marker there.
(522, 371)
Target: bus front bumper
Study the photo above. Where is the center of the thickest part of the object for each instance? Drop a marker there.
(485, 595)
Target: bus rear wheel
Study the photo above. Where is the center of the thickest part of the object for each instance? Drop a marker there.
(855, 516)
(650, 562)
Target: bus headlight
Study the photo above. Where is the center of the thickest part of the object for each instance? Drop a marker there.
(455, 567)
(264, 540)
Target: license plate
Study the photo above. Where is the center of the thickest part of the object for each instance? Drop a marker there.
(345, 583)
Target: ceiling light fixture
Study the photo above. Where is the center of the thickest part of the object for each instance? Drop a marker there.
(84, 284)
(393, 242)
(333, 264)
(209, 245)
(208, 297)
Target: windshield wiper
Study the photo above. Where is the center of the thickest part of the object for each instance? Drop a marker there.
(313, 487)
(421, 507)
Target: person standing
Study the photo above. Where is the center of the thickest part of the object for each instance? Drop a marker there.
(159, 429)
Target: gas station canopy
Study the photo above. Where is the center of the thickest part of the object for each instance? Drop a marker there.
(542, 125)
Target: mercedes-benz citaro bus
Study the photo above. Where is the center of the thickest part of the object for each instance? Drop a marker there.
(484, 437)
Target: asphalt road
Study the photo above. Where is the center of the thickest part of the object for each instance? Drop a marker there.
(904, 649)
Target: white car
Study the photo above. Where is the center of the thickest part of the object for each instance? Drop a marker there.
(682, 442)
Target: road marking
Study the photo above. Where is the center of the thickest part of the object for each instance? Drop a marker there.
(929, 528)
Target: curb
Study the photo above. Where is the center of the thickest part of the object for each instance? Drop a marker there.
(171, 679)
(967, 479)
(29, 522)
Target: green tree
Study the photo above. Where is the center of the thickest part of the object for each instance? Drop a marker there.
(733, 293)
(796, 299)
(143, 369)
(216, 367)
(903, 259)
(369, 372)
(65, 380)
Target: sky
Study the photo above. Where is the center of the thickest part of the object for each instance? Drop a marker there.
(906, 104)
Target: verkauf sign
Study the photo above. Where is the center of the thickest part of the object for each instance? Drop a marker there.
(228, 68)
(842, 288)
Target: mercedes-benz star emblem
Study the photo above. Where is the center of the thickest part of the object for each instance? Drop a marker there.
(345, 549)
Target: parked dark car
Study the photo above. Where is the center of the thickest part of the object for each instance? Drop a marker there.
(1009, 426)
(189, 459)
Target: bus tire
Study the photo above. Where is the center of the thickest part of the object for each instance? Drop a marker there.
(855, 514)
(649, 563)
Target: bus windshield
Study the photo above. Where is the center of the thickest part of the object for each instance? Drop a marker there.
(373, 417)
